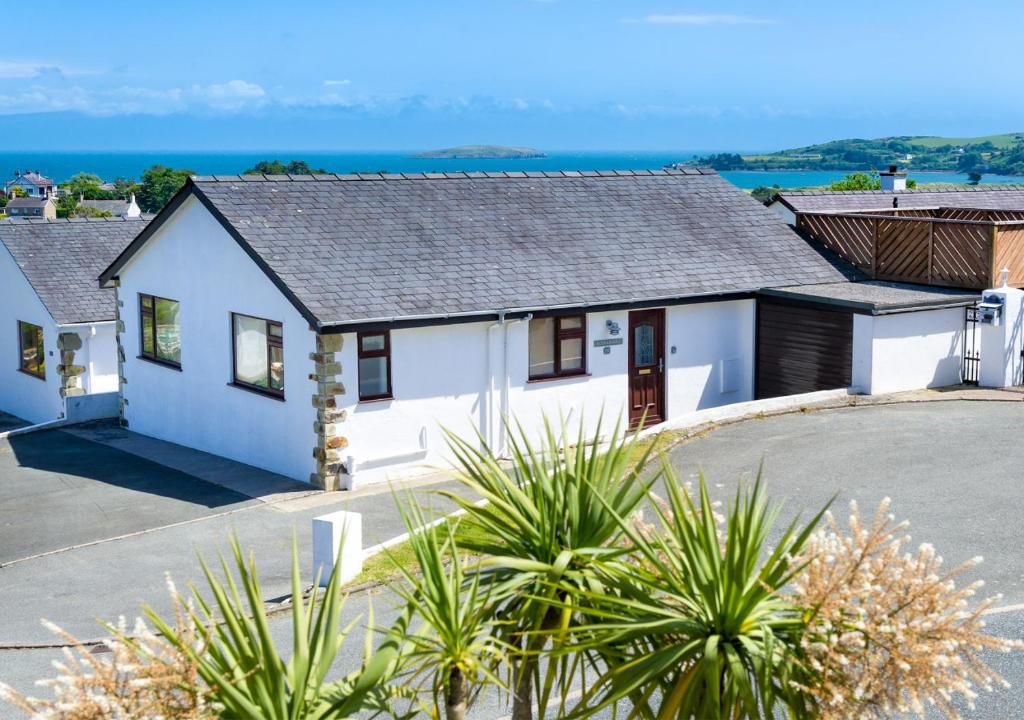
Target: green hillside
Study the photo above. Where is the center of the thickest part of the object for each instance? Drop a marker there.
(995, 154)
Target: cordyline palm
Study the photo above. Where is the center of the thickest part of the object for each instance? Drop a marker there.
(246, 675)
(455, 648)
(550, 520)
(694, 625)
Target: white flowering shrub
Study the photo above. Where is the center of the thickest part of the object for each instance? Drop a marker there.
(888, 631)
(143, 676)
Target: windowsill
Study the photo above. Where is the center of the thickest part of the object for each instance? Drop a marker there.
(162, 363)
(371, 401)
(556, 378)
(269, 394)
(32, 374)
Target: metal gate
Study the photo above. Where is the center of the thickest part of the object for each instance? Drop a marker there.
(972, 346)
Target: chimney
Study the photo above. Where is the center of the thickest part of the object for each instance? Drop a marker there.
(893, 180)
(133, 210)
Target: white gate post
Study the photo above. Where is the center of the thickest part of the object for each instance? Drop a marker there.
(1001, 336)
(338, 539)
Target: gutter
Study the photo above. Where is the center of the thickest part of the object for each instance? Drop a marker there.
(398, 321)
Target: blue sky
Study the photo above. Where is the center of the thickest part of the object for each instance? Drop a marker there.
(555, 74)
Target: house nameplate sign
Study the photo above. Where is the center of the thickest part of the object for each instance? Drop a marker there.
(605, 342)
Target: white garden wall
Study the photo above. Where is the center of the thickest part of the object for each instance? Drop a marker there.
(193, 260)
(28, 397)
(908, 351)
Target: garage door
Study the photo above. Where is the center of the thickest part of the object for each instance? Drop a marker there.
(802, 348)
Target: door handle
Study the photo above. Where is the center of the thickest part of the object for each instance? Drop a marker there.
(661, 364)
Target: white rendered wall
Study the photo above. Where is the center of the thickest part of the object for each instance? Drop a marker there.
(714, 360)
(28, 397)
(193, 260)
(452, 376)
(783, 212)
(101, 343)
(908, 351)
(863, 348)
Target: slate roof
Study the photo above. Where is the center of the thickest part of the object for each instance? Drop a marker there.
(114, 207)
(62, 259)
(1002, 197)
(34, 178)
(381, 248)
(879, 297)
(26, 202)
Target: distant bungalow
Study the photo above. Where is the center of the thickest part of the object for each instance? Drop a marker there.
(481, 152)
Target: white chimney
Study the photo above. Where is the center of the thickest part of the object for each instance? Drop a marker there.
(133, 210)
(893, 180)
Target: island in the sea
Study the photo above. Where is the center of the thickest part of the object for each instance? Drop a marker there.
(481, 152)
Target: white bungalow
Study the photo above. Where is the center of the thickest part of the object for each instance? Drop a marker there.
(328, 327)
(58, 352)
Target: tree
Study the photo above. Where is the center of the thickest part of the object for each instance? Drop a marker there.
(973, 177)
(159, 184)
(857, 181)
(124, 187)
(551, 521)
(968, 162)
(87, 185)
(276, 167)
(765, 194)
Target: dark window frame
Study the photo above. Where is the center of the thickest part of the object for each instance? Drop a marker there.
(41, 348)
(272, 342)
(367, 354)
(558, 335)
(151, 313)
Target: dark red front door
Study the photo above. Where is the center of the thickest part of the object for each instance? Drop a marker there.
(646, 367)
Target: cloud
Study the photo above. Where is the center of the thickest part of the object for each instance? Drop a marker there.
(337, 83)
(23, 69)
(705, 19)
(232, 95)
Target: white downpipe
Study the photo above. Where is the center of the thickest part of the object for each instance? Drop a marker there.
(493, 414)
(506, 388)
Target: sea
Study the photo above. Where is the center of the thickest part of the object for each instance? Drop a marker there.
(111, 165)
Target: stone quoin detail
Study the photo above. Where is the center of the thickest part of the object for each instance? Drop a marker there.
(68, 344)
(330, 444)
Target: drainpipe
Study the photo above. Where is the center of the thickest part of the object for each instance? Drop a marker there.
(492, 436)
(507, 385)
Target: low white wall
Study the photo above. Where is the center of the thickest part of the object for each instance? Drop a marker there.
(908, 351)
(194, 261)
(28, 397)
(97, 406)
(452, 376)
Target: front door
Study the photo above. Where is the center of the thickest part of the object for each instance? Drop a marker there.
(646, 367)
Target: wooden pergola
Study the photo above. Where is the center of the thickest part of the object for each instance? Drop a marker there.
(945, 246)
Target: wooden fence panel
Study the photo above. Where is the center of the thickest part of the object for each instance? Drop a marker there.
(960, 255)
(1010, 254)
(903, 250)
(852, 238)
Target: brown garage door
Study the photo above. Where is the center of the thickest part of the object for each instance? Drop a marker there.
(802, 348)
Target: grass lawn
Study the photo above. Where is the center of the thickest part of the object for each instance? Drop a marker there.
(382, 568)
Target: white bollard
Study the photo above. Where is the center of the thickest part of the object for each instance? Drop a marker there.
(338, 538)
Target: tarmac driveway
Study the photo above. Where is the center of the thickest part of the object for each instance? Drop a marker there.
(58, 491)
(955, 470)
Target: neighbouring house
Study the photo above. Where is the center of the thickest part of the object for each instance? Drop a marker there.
(57, 334)
(330, 327)
(31, 207)
(117, 208)
(32, 183)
